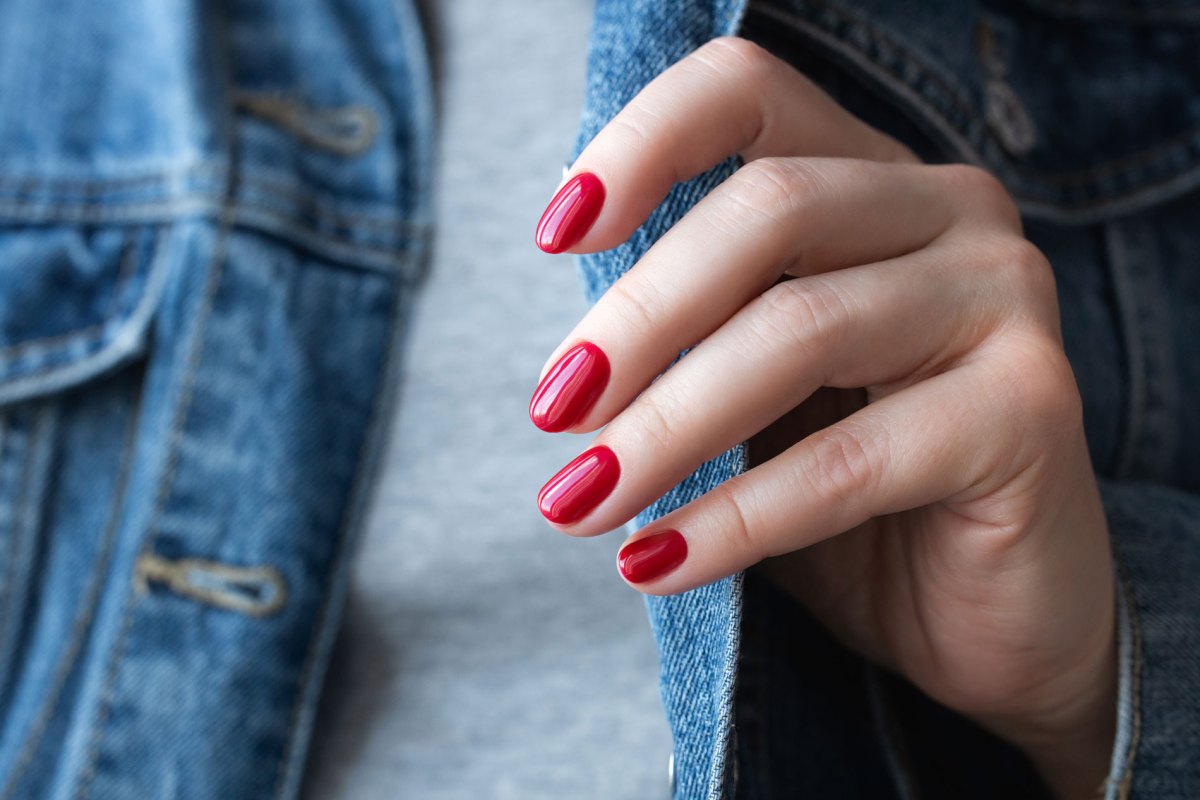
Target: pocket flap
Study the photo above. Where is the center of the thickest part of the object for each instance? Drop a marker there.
(74, 302)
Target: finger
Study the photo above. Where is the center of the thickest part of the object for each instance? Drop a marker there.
(879, 324)
(728, 97)
(919, 446)
(799, 216)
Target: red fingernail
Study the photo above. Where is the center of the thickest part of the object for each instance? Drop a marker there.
(652, 557)
(579, 486)
(570, 388)
(571, 213)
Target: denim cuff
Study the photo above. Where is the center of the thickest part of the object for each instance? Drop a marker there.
(1128, 654)
(1156, 538)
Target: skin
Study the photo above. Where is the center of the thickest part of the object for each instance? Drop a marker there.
(889, 342)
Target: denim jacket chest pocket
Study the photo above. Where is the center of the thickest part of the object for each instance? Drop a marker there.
(1089, 113)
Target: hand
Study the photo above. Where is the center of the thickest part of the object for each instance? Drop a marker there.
(889, 341)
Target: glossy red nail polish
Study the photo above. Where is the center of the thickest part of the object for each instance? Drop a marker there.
(570, 388)
(652, 557)
(580, 486)
(571, 213)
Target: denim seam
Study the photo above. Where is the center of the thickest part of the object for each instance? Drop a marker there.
(7, 590)
(98, 210)
(1091, 10)
(1080, 211)
(1130, 686)
(323, 634)
(1145, 447)
(108, 690)
(723, 770)
(13, 188)
(174, 445)
(386, 258)
(1135, 378)
(83, 618)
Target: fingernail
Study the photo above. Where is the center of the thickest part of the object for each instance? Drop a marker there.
(579, 486)
(652, 557)
(571, 213)
(570, 388)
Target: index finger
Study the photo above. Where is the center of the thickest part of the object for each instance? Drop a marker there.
(719, 101)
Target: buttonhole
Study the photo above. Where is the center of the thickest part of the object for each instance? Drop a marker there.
(344, 130)
(256, 591)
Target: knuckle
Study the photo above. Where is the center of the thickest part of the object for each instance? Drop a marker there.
(807, 313)
(658, 419)
(844, 462)
(639, 304)
(734, 54)
(774, 186)
(1044, 395)
(736, 522)
(984, 190)
(633, 130)
(1026, 269)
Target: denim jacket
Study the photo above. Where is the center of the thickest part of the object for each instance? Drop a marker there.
(212, 218)
(1089, 112)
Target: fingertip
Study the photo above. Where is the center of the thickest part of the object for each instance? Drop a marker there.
(578, 488)
(571, 213)
(647, 559)
(569, 390)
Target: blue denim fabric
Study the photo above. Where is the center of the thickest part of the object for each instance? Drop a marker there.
(1090, 115)
(212, 221)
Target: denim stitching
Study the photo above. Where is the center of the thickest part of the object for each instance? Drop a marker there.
(32, 439)
(100, 185)
(10, 567)
(1164, 12)
(92, 193)
(349, 253)
(1130, 333)
(107, 695)
(1126, 784)
(291, 765)
(83, 619)
(1145, 448)
(174, 444)
(101, 211)
(175, 437)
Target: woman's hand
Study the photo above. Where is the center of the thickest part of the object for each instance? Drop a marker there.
(890, 342)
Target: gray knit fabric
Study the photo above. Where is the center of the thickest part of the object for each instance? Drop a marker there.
(483, 655)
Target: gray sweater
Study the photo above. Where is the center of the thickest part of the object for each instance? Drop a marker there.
(483, 655)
